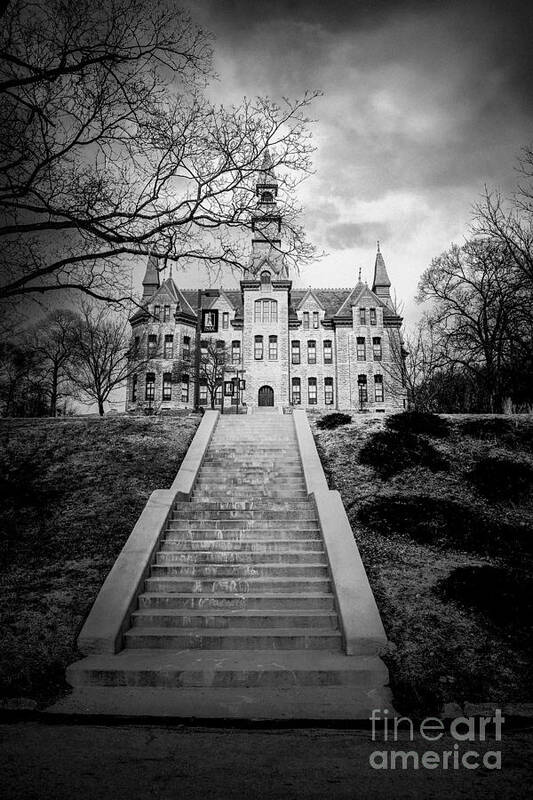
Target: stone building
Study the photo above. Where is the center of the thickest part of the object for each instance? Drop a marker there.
(317, 348)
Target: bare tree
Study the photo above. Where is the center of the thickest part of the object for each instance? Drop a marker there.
(415, 361)
(109, 149)
(104, 357)
(210, 361)
(22, 392)
(476, 312)
(52, 341)
(510, 222)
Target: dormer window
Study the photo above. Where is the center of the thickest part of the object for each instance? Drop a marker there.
(265, 278)
(157, 312)
(267, 197)
(362, 316)
(315, 319)
(166, 313)
(373, 319)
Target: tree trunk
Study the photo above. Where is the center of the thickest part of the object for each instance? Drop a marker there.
(101, 407)
(53, 392)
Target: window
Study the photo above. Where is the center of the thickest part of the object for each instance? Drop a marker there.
(362, 316)
(295, 352)
(258, 348)
(273, 348)
(157, 311)
(265, 278)
(218, 396)
(225, 320)
(376, 348)
(133, 388)
(202, 397)
(149, 389)
(296, 391)
(169, 345)
(136, 345)
(203, 347)
(306, 320)
(312, 391)
(184, 388)
(235, 352)
(361, 348)
(186, 347)
(378, 388)
(166, 313)
(311, 352)
(373, 319)
(167, 386)
(328, 356)
(221, 344)
(152, 344)
(363, 394)
(328, 391)
(266, 311)
(315, 319)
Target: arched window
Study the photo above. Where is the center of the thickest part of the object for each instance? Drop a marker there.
(266, 311)
(267, 197)
(265, 278)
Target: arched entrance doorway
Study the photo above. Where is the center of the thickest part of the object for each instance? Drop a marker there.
(266, 396)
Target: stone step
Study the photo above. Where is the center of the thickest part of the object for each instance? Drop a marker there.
(236, 585)
(239, 557)
(224, 618)
(213, 546)
(244, 505)
(237, 523)
(215, 493)
(229, 668)
(193, 512)
(236, 639)
(252, 484)
(288, 601)
(241, 535)
(333, 703)
(239, 571)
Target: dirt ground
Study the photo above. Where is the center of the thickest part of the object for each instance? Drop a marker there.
(40, 761)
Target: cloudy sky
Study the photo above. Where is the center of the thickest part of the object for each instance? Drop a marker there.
(423, 103)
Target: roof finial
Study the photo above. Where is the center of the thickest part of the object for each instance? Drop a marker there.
(359, 274)
(379, 251)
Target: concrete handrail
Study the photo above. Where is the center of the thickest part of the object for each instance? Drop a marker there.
(109, 616)
(362, 629)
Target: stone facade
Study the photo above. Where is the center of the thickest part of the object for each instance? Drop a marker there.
(317, 348)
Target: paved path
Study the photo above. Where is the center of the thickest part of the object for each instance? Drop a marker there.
(62, 762)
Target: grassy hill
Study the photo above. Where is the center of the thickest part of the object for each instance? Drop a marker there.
(443, 518)
(71, 490)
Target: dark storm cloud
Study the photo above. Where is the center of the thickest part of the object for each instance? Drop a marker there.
(423, 103)
(347, 235)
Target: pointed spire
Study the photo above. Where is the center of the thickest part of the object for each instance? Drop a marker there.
(268, 164)
(381, 284)
(151, 277)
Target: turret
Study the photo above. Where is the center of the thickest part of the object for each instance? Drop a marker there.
(381, 284)
(151, 278)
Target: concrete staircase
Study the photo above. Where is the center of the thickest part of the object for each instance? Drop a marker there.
(238, 617)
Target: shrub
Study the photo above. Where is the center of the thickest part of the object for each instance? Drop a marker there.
(498, 478)
(418, 422)
(486, 427)
(335, 420)
(389, 453)
(431, 520)
(502, 595)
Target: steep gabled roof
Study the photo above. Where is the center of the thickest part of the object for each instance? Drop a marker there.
(309, 293)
